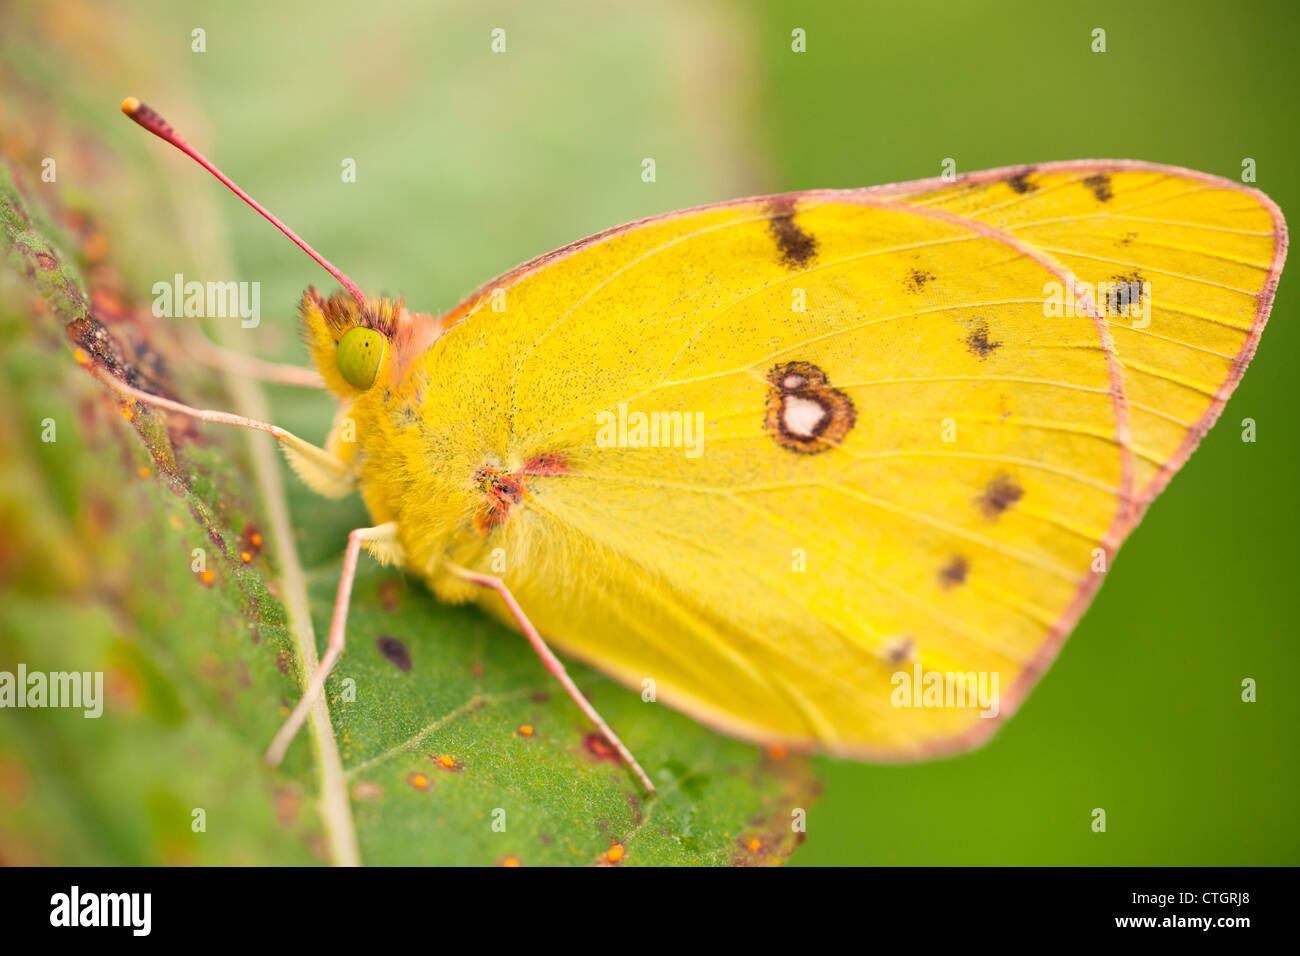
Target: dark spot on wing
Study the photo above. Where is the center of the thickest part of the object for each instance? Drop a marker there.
(1021, 184)
(394, 651)
(999, 495)
(954, 572)
(1100, 186)
(797, 247)
(804, 413)
(899, 650)
(977, 340)
(916, 280)
(1125, 294)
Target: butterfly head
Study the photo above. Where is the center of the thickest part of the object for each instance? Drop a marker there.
(359, 347)
(350, 342)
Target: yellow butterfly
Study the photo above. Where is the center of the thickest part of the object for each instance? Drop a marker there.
(837, 470)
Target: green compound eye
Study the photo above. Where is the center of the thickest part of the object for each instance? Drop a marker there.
(360, 352)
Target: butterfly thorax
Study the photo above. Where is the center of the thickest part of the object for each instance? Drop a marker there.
(419, 457)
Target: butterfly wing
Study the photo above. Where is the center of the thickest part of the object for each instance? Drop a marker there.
(923, 431)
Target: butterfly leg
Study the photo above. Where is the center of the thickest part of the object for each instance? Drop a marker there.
(323, 472)
(555, 667)
(337, 638)
(327, 475)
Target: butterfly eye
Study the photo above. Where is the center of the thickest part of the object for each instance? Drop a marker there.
(360, 352)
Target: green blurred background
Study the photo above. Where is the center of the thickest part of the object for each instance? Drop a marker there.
(470, 162)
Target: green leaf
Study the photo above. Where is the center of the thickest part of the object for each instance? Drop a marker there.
(430, 704)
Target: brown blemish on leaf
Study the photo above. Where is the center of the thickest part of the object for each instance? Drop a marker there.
(999, 495)
(366, 790)
(599, 747)
(1100, 186)
(916, 280)
(797, 248)
(634, 806)
(250, 543)
(977, 340)
(798, 390)
(772, 824)
(390, 591)
(394, 651)
(287, 804)
(93, 338)
(954, 572)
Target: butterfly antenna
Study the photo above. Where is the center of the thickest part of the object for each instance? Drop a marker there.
(155, 124)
